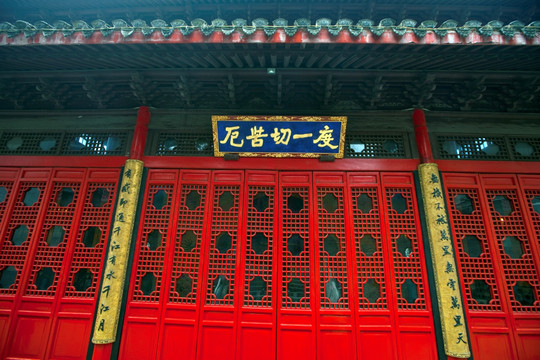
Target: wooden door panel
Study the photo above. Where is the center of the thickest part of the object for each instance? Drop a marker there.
(287, 265)
(493, 220)
(258, 268)
(296, 332)
(217, 321)
(178, 334)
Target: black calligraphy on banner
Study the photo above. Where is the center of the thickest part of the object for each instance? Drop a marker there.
(448, 292)
(118, 252)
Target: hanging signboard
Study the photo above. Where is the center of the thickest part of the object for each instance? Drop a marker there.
(279, 136)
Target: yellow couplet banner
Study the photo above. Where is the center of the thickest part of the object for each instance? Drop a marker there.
(110, 296)
(454, 330)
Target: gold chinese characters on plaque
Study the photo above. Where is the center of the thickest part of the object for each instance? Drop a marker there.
(279, 136)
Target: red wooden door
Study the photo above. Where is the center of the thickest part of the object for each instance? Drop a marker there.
(54, 231)
(494, 219)
(180, 314)
(336, 335)
(266, 264)
(297, 301)
(257, 309)
(219, 296)
(149, 281)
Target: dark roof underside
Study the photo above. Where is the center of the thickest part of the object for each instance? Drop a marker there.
(333, 77)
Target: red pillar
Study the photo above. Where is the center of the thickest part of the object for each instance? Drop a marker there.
(422, 138)
(102, 351)
(139, 137)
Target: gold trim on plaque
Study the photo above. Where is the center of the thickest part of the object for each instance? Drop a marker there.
(340, 119)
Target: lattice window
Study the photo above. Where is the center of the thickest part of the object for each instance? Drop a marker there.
(481, 291)
(77, 143)
(151, 257)
(525, 148)
(53, 240)
(223, 245)
(376, 146)
(368, 248)
(296, 243)
(91, 240)
(532, 197)
(472, 147)
(187, 144)
(403, 232)
(5, 193)
(30, 143)
(187, 254)
(514, 247)
(168, 143)
(63, 143)
(259, 246)
(20, 230)
(334, 284)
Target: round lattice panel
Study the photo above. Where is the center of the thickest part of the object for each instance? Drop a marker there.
(532, 197)
(186, 271)
(474, 253)
(22, 217)
(259, 246)
(370, 264)
(91, 239)
(53, 239)
(515, 250)
(402, 222)
(223, 241)
(295, 287)
(156, 219)
(334, 284)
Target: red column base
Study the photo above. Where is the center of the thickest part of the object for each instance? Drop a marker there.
(102, 352)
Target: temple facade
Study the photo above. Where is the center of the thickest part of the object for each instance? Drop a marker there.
(185, 179)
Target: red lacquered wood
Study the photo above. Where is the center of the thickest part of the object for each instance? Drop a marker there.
(514, 167)
(102, 352)
(54, 321)
(64, 161)
(139, 136)
(422, 137)
(197, 162)
(502, 327)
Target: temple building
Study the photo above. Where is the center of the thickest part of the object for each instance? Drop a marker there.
(269, 179)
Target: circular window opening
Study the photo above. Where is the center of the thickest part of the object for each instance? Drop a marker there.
(47, 144)
(524, 149)
(452, 147)
(170, 144)
(14, 143)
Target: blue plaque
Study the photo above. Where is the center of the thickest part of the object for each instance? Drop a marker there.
(279, 136)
